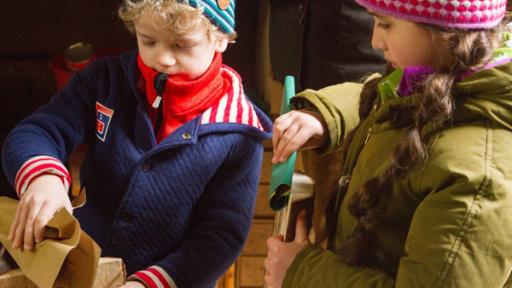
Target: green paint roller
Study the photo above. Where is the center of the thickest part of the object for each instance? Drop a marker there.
(282, 173)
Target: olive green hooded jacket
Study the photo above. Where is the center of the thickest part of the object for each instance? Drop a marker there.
(447, 223)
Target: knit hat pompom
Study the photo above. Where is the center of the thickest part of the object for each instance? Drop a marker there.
(462, 14)
(220, 12)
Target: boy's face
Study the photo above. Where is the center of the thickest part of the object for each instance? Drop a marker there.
(405, 44)
(185, 56)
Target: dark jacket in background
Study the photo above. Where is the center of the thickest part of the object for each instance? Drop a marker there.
(321, 42)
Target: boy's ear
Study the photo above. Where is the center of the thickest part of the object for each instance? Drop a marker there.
(221, 45)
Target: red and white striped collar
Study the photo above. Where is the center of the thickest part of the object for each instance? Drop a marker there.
(233, 107)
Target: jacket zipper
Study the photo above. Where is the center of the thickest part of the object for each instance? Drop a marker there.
(159, 82)
(368, 135)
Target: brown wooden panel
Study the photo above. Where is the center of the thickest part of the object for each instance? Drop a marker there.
(250, 271)
(228, 279)
(266, 167)
(262, 208)
(256, 244)
(267, 144)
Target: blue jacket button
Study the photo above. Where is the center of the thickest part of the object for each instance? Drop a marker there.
(147, 167)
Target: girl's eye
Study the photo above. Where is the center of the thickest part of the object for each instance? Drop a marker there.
(384, 26)
(380, 23)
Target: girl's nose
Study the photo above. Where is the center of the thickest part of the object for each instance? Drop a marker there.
(378, 42)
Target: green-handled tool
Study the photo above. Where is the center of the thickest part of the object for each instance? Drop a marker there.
(282, 173)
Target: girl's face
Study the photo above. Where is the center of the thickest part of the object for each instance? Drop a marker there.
(185, 56)
(405, 44)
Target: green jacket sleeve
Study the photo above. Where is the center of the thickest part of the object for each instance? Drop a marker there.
(339, 106)
(316, 267)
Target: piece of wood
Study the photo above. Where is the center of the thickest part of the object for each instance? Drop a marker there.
(110, 273)
(262, 209)
(250, 271)
(256, 244)
(266, 167)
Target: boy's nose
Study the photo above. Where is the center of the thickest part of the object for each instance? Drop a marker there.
(166, 59)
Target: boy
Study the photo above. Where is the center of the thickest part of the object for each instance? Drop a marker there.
(174, 149)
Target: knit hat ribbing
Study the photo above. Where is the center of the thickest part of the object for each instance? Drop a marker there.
(220, 12)
(462, 14)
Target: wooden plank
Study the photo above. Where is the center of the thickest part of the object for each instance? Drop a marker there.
(262, 208)
(266, 167)
(256, 244)
(250, 271)
(110, 273)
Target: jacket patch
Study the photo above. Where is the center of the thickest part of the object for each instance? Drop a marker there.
(103, 117)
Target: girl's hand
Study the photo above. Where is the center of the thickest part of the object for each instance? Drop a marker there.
(132, 284)
(42, 199)
(280, 254)
(297, 129)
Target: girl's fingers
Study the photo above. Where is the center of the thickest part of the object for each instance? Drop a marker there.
(301, 231)
(284, 149)
(274, 242)
(299, 141)
(280, 126)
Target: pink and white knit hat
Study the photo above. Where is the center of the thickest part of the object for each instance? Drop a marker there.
(463, 14)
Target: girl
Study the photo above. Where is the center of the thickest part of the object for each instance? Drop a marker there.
(425, 196)
(174, 149)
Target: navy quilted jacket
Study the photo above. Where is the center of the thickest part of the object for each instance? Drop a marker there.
(183, 206)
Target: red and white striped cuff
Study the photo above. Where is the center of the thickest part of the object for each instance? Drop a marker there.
(154, 277)
(37, 166)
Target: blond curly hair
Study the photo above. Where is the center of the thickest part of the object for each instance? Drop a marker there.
(178, 18)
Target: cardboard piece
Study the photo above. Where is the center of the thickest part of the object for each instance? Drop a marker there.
(66, 251)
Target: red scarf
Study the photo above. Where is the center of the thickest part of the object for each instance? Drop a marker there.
(183, 100)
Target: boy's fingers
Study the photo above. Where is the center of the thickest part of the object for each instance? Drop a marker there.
(28, 238)
(40, 224)
(14, 224)
(20, 229)
(301, 231)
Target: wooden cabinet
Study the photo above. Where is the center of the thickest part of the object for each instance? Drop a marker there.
(250, 271)
(249, 266)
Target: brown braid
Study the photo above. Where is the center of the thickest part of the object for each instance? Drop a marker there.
(469, 49)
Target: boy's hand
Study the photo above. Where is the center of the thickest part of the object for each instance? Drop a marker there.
(132, 284)
(42, 199)
(280, 254)
(295, 130)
